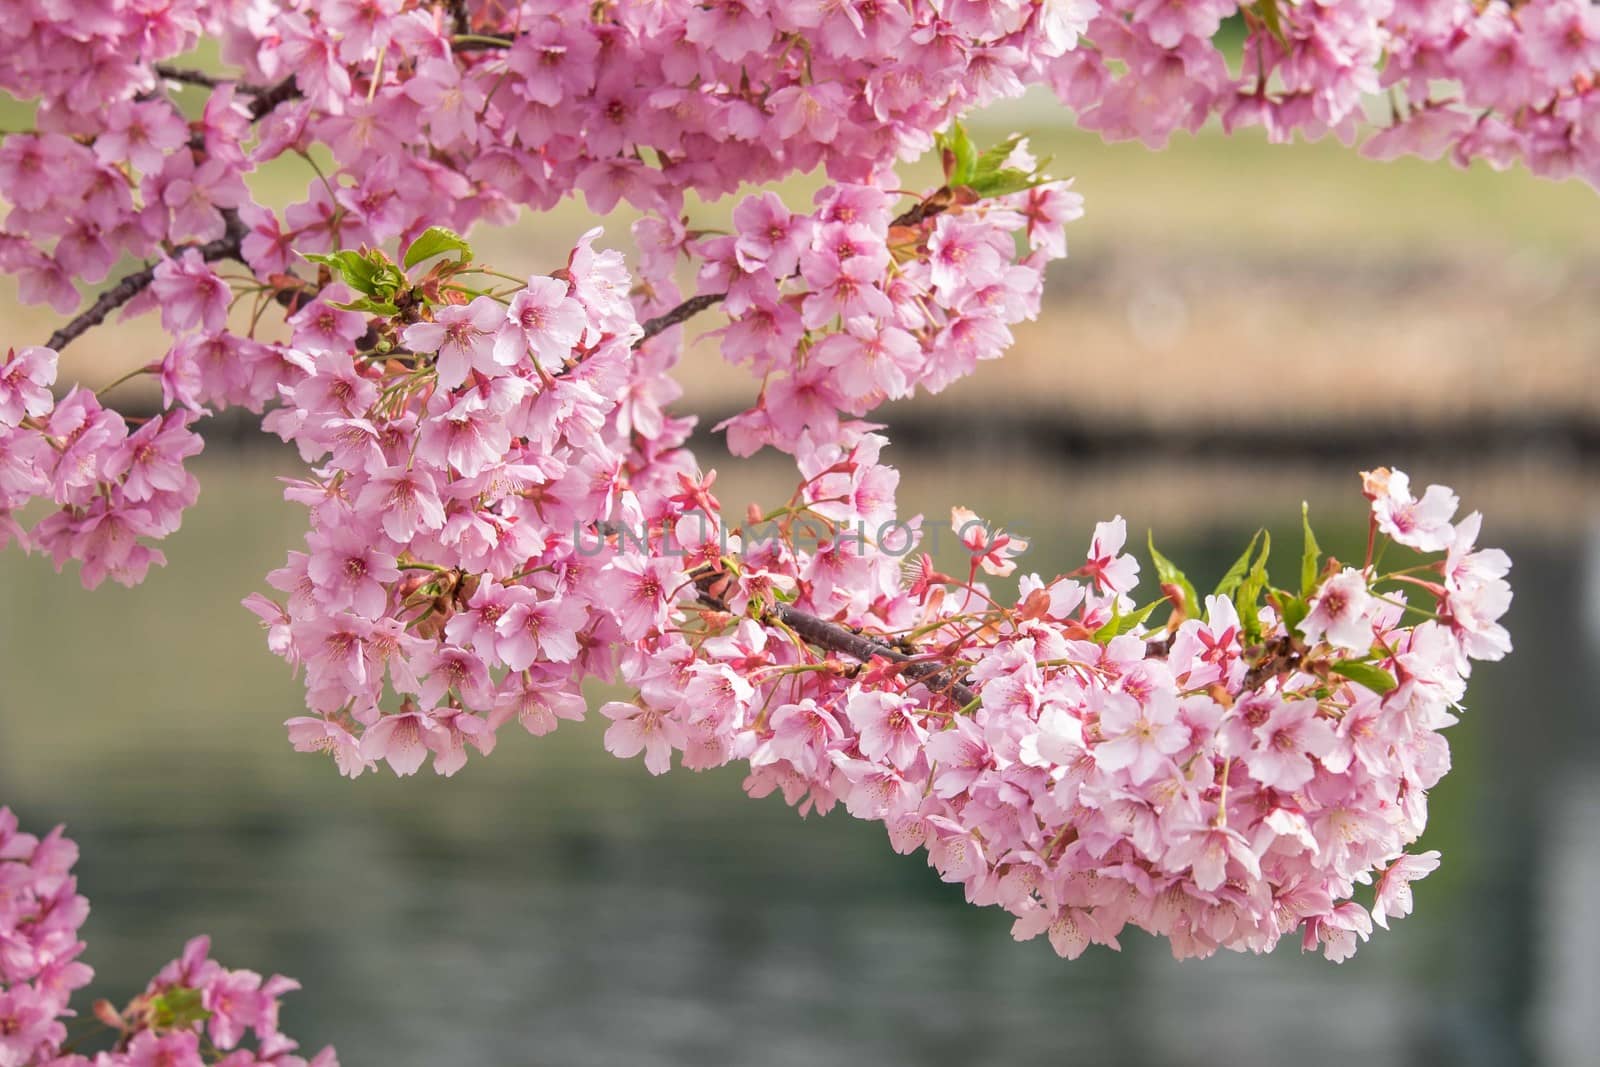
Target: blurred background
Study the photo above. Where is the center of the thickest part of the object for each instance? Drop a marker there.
(1239, 327)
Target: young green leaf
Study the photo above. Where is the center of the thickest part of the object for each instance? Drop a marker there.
(963, 157)
(1120, 624)
(1374, 678)
(1312, 554)
(993, 173)
(1271, 16)
(1294, 609)
(178, 1008)
(1003, 182)
(1168, 574)
(1240, 568)
(370, 306)
(353, 268)
(1250, 590)
(436, 241)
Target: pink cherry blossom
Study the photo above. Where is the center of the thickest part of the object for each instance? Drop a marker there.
(1341, 613)
(1394, 886)
(191, 294)
(1421, 524)
(463, 336)
(1111, 572)
(634, 730)
(541, 319)
(992, 551)
(498, 472)
(25, 381)
(1137, 737)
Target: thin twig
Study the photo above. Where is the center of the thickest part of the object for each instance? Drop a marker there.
(192, 76)
(835, 637)
(1278, 656)
(679, 315)
(270, 97)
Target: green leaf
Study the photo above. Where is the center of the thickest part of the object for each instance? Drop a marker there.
(357, 271)
(989, 175)
(178, 1008)
(436, 241)
(961, 158)
(1250, 590)
(1293, 608)
(370, 306)
(1168, 574)
(1240, 568)
(1003, 182)
(1271, 16)
(1121, 624)
(387, 279)
(1374, 678)
(993, 161)
(1312, 554)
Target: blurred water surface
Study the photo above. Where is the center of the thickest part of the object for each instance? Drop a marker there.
(552, 905)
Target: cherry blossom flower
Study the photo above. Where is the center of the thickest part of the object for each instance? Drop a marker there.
(401, 740)
(1110, 571)
(634, 730)
(1340, 613)
(1393, 898)
(1421, 524)
(543, 320)
(191, 294)
(1137, 737)
(463, 338)
(25, 381)
(991, 551)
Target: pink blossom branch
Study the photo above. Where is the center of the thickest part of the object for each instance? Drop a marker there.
(679, 315)
(269, 97)
(922, 210)
(1278, 656)
(228, 246)
(191, 76)
(225, 247)
(835, 637)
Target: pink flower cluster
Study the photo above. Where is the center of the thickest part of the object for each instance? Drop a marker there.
(465, 480)
(455, 477)
(500, 503)
(435, 121)
(193, 1012)
(920, 304)
(435, 118)
(1223, 782)
(40, 912)
(77, 57)
(114, 490)
(1495, 81)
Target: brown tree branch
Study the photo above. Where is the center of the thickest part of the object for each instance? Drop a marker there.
(206, 80)
(1278, 656)
(460, 16)
(269, 97)
(265, 99)
(835, 637)
(679, 315)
